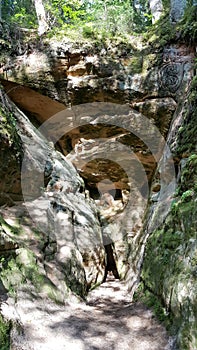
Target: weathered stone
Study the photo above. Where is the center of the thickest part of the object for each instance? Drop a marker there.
(73, 76)
(116, 150)
(160, 110)
(169, 268)
(66, 223)
(177, 9)
(156, 8)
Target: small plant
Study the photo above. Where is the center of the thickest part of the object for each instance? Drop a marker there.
(4, 334)
(88, 31)
(187, 195)
(193, 157)
(175, 206)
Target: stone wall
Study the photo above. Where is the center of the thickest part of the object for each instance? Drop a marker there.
(151, 84)
(53, 224)
(177, 9)
(169, 267)
(59, 227)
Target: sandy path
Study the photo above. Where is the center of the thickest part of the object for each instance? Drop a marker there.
(109, 321)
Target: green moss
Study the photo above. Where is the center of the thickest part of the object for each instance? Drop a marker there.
(17, 270)
(188, 25)
(169, 268)
(187, 188)
(21, 270)
(136, 63)
(186, 137)
(4, 334)
(166, 5)
(8, 131)
(154, 303)
(10, 230)
(161, 33)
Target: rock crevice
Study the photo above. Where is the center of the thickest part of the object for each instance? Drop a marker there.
(72, 217)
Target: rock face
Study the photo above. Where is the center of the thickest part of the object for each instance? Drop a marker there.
(169, 268)
(75, 73)
(64, 233)
(109, 111)
(118, 74)
(177, 9)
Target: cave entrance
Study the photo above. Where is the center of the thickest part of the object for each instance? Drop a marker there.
(110, 263)
(114, 164)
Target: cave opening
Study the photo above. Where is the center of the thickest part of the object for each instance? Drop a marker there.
(112, 180)
(110, 263)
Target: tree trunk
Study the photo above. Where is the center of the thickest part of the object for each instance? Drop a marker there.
(41, 16)
(156, 8)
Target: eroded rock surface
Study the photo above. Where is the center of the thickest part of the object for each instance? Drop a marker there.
(169, 268)
(55, 225)
(56, 237)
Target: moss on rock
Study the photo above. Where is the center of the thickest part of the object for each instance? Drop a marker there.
(4, 334)
(169, 269)
(169, 275)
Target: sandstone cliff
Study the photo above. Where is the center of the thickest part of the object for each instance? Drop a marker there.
(98, 173)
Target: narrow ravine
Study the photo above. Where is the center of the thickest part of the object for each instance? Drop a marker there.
(108, 320)
(98, 173)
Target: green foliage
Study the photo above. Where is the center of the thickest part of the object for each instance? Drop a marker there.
(161, 33)
(136, 64)
(188, 25)
(105, 18)
(188, 182)
(188, 131)
(16, 271)
(169, 268)
(118, 17)
(4, 334)
(92, 18)
(20, 12)
(64, 12)
(187, 196)
(166, 5)
(8, 131)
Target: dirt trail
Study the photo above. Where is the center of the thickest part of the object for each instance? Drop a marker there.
(108, 321)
